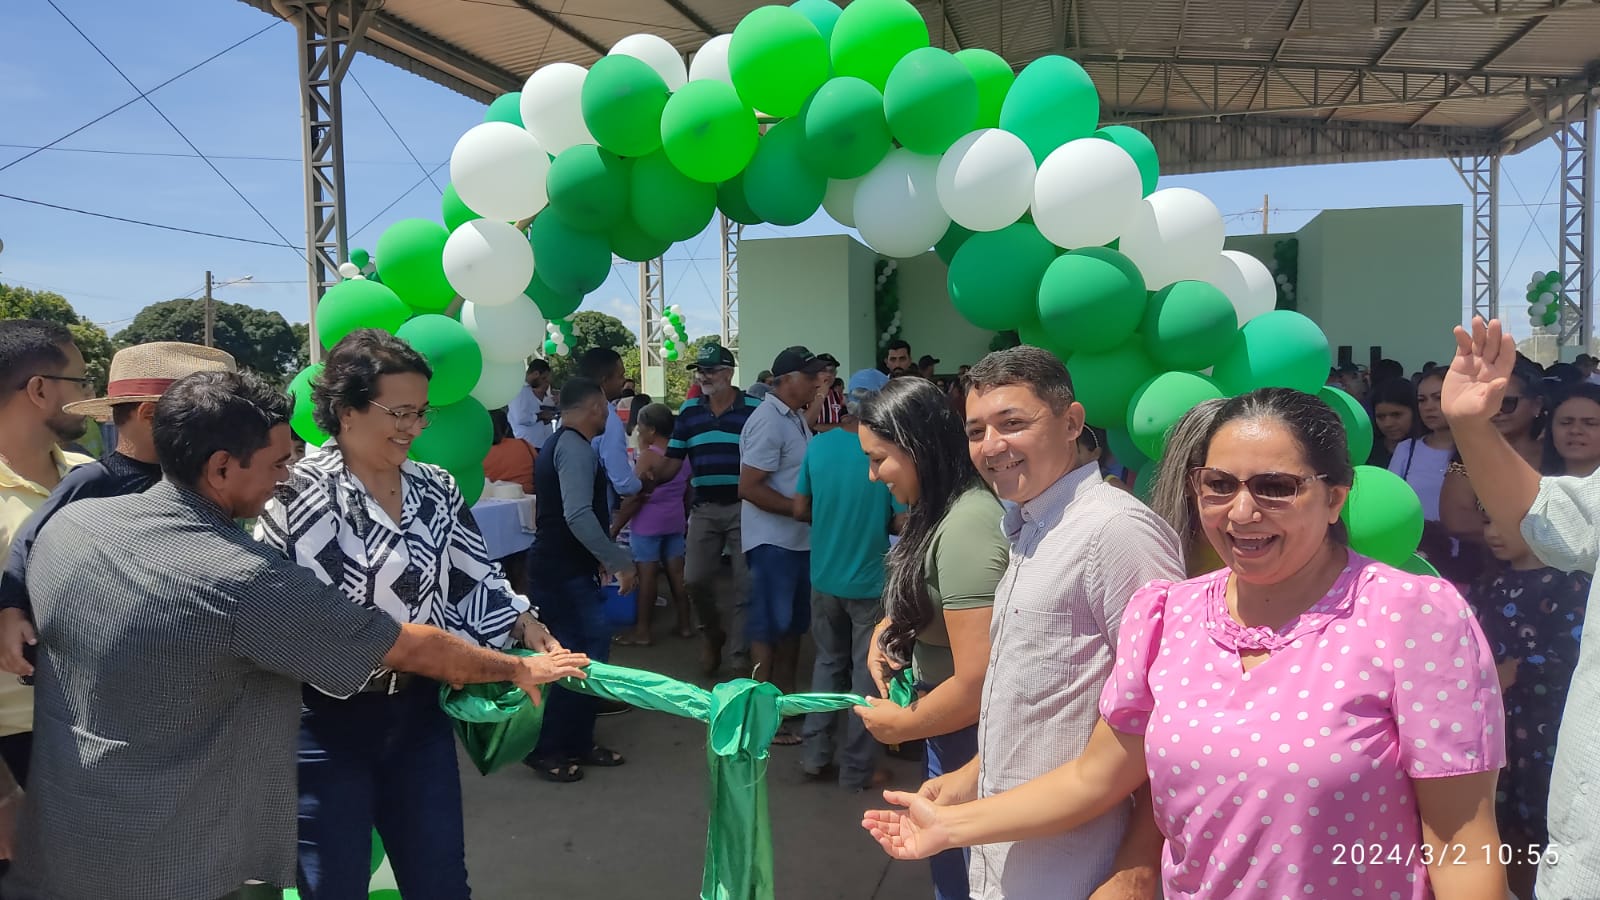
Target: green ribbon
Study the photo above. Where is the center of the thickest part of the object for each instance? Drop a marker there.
(498, 726)
(903, 687)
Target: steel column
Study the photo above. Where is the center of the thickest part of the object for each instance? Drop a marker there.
(1575, 138)
(652, 301)
(329, 32)
(729, 326)
(1482, 175)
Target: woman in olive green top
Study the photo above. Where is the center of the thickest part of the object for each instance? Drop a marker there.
(941, 582)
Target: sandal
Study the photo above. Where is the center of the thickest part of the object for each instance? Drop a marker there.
(558, 772)
(600, 757)
(786, 738)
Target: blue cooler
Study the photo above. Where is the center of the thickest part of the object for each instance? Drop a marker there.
(621, 609)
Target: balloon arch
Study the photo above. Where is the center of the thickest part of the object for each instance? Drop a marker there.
(1051, 225)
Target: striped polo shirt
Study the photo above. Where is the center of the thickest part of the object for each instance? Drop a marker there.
(711, 444)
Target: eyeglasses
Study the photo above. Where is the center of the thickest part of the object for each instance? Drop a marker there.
(1508, 405)
(84, 381)
(405, 420)
(1270, 490)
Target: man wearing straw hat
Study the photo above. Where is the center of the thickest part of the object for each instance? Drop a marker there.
(139, 375)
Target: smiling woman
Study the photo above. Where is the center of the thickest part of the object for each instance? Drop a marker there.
(1351, 705)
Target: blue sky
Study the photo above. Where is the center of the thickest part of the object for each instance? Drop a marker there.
(242, 111)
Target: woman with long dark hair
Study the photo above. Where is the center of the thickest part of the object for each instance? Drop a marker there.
(1572, 442)
(1394, 419)
(940, 586)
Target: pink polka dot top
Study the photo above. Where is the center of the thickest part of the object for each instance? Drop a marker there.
(1294, 780)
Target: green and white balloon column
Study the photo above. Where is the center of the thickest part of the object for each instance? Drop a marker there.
(1544, 299)
(1052, 225)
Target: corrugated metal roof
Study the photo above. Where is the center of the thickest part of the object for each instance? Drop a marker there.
(1380, 61)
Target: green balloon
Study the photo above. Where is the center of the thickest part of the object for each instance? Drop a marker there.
(1357, 423)
(569, 260)
(1383, 515)
(622, 101)
(451, 351)
(1034, 335)
(469, 482)
(872, 35)
(779, 186)
(954, 238)
(1106, 382)
(411, 261)
(455, 213)
(994, 278)
(549, 348)
(1126, 451)
(1052, 101)
(360, 257)
(588, 187)
(994, 77)
(1189, 325)
(776, 59)
(505, 108)
(708, 132)
(458, 439)
(667, 204)
(355, 304)
(824, 14)
(732, 203)
(630, 242)
(844, 129)
(1160, 403)
(303, 419)
(1416, 565)
(1091, 299)
(1140, 148)
(1278, 349)
(930, 100)
(552, 304)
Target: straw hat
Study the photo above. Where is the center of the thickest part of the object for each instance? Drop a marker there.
(142, 373)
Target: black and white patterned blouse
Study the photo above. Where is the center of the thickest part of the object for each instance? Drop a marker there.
(430, 569)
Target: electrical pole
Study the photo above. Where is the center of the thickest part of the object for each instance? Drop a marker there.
(1264, 211)
(210, 312)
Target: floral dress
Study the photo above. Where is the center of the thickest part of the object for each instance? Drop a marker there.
(1536, 617)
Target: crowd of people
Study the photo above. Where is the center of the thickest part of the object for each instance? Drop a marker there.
(1208, 694)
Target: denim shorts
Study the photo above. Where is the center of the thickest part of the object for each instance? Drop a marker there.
(780, 593)
(649, 548)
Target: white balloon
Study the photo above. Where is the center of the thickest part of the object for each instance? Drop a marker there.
(1547, 297)
(1538, 309)
(1246, 282)
(1175, 234)
(657, 53)
(552, 108)
(1086, 193)
(986, 180)
(710, 62)
(500, 382)
(840, 200)
(505, 333)
(897, 206)
(498, 170)
(488, 262)
(349, 270)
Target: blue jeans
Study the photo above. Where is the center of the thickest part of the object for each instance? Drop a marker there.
(780, 593)
(947, 753)
(842, 630)
(574, 611)
(384, 761)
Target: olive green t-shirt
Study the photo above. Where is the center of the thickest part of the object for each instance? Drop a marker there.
(965, 560)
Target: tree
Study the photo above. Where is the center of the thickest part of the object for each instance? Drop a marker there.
(21, 303)
(676, 373)
(259, 340)
(302, 336)
(593, 329)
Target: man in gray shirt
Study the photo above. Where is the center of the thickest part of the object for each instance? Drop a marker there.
(172, 649)
(1079, 549)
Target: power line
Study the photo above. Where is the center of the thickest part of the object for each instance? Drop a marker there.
(427, 176)
(173, 125)
(141, 96)
(99, 215)
(396, 132)
(172, 155)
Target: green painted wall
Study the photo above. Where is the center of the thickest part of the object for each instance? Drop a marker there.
(929, 321)
(814, 291)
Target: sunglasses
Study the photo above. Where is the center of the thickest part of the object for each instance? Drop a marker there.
(1269, 490)
(1508, 405)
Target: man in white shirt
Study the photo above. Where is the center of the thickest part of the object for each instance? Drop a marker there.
(533, 411)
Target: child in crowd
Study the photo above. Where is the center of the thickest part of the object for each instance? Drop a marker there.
(1532, 616)
(660, 519)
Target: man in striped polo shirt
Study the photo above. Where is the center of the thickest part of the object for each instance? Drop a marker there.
(707, 435)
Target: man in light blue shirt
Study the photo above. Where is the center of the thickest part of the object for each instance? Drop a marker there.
(603, 365)
(533, 411)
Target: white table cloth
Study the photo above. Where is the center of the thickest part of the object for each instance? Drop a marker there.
(507, 530)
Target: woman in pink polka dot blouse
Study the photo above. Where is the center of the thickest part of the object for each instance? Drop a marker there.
(1312, 723)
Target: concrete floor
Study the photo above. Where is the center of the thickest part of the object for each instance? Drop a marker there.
(637, 832)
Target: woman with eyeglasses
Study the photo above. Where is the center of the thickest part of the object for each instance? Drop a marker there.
(397, 535)
(1312, 723)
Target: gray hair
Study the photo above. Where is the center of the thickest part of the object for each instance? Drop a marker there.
(1186, 449)
(854, 399)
